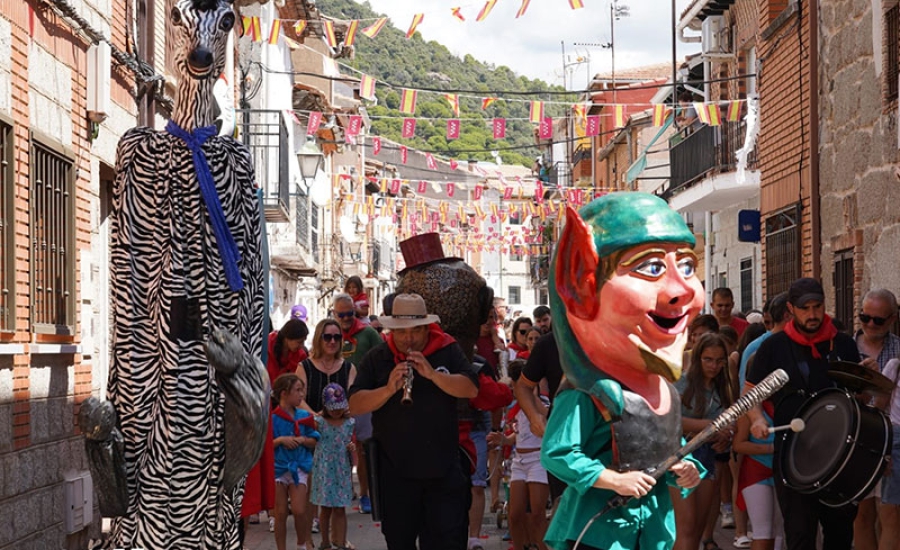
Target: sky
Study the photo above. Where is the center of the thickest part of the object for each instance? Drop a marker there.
(533, 44)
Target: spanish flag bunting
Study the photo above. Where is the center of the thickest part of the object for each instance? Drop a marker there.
(384, 185)
(417, 18)
(461, 214)
(403, 210)
(408, 101)
(702, 112)
(536, 114)
(576, 4)
(715, 115)
(580, 111)
(478, 211)
(328, 33)
(734, 110)
(453, 99)
(660, 113)
(494, 211)
(275, 31)
(372, 30)
(488, 6)
(299, 27)
(367, 87)
(486, 102)
(522, 8)
(246, 25)
(257, 29)
(457, 14)
(620, 115)
(350, 37)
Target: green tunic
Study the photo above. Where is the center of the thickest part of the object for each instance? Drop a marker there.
(365, 340)
(574, 450)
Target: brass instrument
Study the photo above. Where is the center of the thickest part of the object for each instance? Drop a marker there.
(408, 384)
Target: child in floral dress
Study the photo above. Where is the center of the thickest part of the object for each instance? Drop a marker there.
(332, 482)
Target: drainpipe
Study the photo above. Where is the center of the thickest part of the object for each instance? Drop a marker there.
(815, 201)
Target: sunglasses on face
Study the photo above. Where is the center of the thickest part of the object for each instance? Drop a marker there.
(346, 314)
(331, 337)
(379, 329)
(877, 320)
(524, 332)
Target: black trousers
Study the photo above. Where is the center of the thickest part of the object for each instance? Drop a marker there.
(434, 511)
(802, 516)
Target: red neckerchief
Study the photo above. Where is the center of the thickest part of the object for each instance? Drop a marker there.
(308, 421)
(437, 339)
(516, 347)
(357, 326)
(825, 333)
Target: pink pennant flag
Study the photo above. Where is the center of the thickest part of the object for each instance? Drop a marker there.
(354, 125)
(592, 127)
(453, 128)
(499, 125)
(315, 120)
(409, 128)
(476, 193)
(539, 191)
(453, 164)
(404, 154)
(422, 187)
(451, 189)
(429, 160)
(546, 128)
(507, 193)
(395, 187)
(376, 145)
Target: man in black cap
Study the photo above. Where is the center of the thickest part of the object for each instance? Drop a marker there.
(803, 349)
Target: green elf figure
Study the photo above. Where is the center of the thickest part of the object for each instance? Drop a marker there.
(623, 290)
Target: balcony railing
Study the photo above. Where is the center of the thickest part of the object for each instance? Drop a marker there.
(708, 150)
(265, 134)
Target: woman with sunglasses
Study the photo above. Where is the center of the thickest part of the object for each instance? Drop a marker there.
(326, 363)
(519, 344)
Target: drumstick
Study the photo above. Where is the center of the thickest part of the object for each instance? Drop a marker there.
(796, 425)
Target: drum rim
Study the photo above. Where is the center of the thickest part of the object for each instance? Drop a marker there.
(873, 479)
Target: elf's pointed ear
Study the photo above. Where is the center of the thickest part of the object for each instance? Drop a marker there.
(576, 268)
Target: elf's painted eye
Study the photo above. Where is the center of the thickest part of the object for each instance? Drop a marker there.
(687, 267)
(654, 268)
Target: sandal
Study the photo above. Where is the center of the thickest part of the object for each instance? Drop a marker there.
(742, 541)
(710, 544)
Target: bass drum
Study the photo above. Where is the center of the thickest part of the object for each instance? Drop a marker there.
(841, 452)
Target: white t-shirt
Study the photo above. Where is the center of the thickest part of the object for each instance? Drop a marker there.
(890, 370)
(524, 438)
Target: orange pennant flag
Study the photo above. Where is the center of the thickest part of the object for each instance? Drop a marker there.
(328, 33)
(275, 31)
(299, 27)
(536, 113)
(620, 115)
(408, 101)
(246, 25)
(486, 102)
(456, 13)
(576, 4)
(367, 87)
(350, 37)
(417, 18)
(488, 6)
(454, 103)
(372, 30)
(660, 113)
(734, 110)
(522, 8)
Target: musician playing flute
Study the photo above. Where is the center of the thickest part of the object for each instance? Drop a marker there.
(424, 493)
(623, 290)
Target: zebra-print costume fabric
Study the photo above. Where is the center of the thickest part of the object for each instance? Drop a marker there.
(164, 254)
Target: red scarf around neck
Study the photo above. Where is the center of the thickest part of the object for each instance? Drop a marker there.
(357, 327)
(437, 339)
(825, 333)
(308, 421)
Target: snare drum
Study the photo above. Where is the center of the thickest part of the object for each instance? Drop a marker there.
(841, 452)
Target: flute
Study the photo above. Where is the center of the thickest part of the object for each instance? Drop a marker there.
(408, 383)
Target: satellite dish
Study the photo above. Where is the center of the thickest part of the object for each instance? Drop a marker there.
(320, 191)
(348, 229)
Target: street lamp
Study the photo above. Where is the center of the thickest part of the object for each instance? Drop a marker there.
(310, 159)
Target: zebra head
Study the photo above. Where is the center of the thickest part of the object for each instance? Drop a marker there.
(201, 28)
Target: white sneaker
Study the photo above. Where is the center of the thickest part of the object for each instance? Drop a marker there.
(727, 517)
(271, 525)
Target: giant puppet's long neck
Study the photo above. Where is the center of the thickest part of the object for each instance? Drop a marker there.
(195, 105)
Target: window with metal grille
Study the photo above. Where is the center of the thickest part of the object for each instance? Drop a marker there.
(7, 229)
(303, 220)
(782, 250)
(843, 287)
(314, 232)
(891, 52)
(515, 295)
(746, 284)
(52, 217)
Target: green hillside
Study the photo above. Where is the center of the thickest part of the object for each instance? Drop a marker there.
(415, 63)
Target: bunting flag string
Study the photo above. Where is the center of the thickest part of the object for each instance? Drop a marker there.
(372, 30)
(408, 101)
(486, 102)
(350, 36)
(453, 99)
(417, 18)
(486, 10)
(329, 34)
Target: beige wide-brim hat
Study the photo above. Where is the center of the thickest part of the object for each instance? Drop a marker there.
(408, 311)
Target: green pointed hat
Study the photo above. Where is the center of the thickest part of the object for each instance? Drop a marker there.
(621, 220)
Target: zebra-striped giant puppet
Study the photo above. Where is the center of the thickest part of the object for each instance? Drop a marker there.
(187, 284)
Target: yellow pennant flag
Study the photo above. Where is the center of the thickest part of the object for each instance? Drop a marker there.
(734, 110)
(702, 112)
(660, 113)
(299, 27)
(372, 30)
(576, 4)
(454, 102)
(417, 18)
(715, 115)
(403, 211)
(257, 29)
(486, 102)
(350, 37)
(486, 10)
(328, 33)
(522, 8)
(620, 115)
(408, 101)
(275, 31)
(580, 110)
(246, 25)
(367, 87)
(536, 114)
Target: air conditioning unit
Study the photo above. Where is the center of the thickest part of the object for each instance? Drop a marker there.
(713, 34)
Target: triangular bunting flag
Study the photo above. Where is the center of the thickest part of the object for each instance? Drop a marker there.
(372, 30)
(486, 102)
(417, 18)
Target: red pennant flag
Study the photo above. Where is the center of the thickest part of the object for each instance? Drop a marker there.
(451, 189)
(409, 128)
(488, 6)
(539, 191)
(536, 113)
(592, 127)
(422, 187)
(372, 30)
(522, 8)
(453, 164)
(429, 160)
(367, 87)
(376, 145)
(476, 194)
(499, 125)
(354, 125)
(486, 102)
(395, 187)
(546, 128)
(507, 193)
(417, 18)
(350, 37)
(328, 33)
(408, 101)
(453, 128)
(456, 13)
(315, 119)
(404, 154)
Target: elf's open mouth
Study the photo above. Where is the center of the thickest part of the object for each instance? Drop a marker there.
(667, 323)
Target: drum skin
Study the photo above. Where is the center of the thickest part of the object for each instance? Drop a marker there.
(841, 452)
